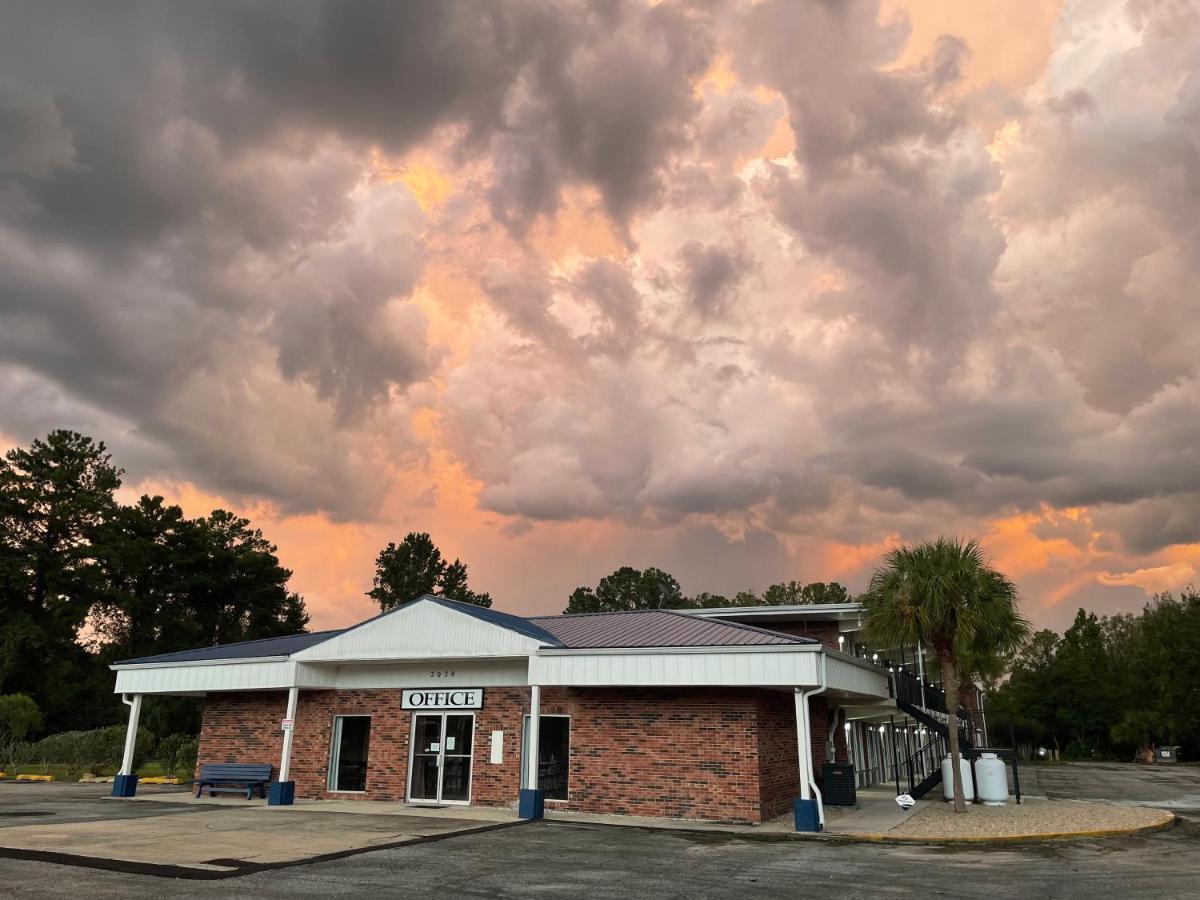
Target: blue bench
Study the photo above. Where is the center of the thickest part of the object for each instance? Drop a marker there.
(234, 778)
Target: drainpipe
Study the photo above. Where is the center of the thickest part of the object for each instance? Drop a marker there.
(808, 736)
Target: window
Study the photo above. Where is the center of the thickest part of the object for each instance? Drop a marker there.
(348, 756)
(554, 754)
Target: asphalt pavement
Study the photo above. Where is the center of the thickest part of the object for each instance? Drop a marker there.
(561, 859)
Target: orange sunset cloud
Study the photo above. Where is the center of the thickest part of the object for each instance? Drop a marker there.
(749, 292)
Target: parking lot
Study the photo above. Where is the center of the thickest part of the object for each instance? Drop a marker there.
(559, 859)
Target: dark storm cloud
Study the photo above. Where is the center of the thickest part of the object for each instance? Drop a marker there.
(609, 98)
(184, 218)
(712, 275)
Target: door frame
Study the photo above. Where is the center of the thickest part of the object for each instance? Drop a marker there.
(412, 747)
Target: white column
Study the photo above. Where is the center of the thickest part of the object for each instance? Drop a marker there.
(531, 751)
(803, 744)
(285, 759)
(135, 712)
(921, 672)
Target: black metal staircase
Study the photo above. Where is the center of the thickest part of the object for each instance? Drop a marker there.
(926, 762)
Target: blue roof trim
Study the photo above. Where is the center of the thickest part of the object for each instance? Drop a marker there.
(284, 645)
(495, 617)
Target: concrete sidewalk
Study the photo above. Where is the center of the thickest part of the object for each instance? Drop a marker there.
(175, 835)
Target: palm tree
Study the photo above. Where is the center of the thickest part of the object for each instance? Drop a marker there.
(945, 595)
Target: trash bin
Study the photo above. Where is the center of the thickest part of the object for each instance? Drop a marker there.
(1166, 754)
(837, 784)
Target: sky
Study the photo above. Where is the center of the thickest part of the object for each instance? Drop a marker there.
(747, 291)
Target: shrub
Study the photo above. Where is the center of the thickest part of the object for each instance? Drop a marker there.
(189, 754)
(168, 754)
(111, 746)
(19, 716)
(17, 755)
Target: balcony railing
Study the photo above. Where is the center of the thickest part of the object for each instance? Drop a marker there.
(907, 687)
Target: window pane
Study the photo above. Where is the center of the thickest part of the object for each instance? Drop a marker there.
(351, 755)
(424, 777)
(428, 734)
(456, 778)
(458, 735)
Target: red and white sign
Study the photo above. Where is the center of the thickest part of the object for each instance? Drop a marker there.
(288, 724)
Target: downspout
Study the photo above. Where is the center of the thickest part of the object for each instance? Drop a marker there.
(808, 732)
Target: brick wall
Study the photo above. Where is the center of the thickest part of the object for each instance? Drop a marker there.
(778, 768)
(688, 753)
(696, 753)
(826, 632)
(243, 727)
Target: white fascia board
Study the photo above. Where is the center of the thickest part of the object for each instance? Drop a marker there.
(634, 651)
(254, 675)
(805, 610)
(121, 667)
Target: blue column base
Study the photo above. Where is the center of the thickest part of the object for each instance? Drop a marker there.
(124, 785)
(281, 793)
(532, 804)
(808, 817)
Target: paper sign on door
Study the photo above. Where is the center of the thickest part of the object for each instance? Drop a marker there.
(434, 747)
(449, 744)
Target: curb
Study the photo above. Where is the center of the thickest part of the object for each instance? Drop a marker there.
(885, 838)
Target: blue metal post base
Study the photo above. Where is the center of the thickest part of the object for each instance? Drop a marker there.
(808, 818)
(532, 804)
(124, 785)
(281, 793)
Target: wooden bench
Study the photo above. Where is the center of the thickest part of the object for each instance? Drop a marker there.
(234, 778)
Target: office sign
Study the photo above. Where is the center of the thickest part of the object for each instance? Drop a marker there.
(443, 698)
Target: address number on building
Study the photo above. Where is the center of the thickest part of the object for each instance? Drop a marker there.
(460, 698)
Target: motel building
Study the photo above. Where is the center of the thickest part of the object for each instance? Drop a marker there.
(724, 715)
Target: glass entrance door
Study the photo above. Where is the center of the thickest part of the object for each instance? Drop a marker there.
(441, 757)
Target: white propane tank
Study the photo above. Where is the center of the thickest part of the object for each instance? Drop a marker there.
(948, 779)
(992, 779)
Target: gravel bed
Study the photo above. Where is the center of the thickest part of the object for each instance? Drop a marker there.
(1032, 817)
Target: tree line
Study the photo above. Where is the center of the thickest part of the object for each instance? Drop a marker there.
(1109, 686)
(86, 580)
(628, 589)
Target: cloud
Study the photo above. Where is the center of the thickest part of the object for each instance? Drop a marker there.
(196, 242)
(33, 139)
(712, 275)
(784, 282)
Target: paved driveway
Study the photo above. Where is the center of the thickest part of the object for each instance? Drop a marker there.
(1174, 788)
(559, 859)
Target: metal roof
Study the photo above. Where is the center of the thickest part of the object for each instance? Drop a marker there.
(527, 627)
(633, 628)
(263, 647)
(657, 628)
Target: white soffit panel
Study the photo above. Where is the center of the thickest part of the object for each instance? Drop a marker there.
(856, 678)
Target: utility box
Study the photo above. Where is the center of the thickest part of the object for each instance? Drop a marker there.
(1166, 754)
(837, 784)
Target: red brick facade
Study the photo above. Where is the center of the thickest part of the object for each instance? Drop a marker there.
(697, 753)
(826, 632)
